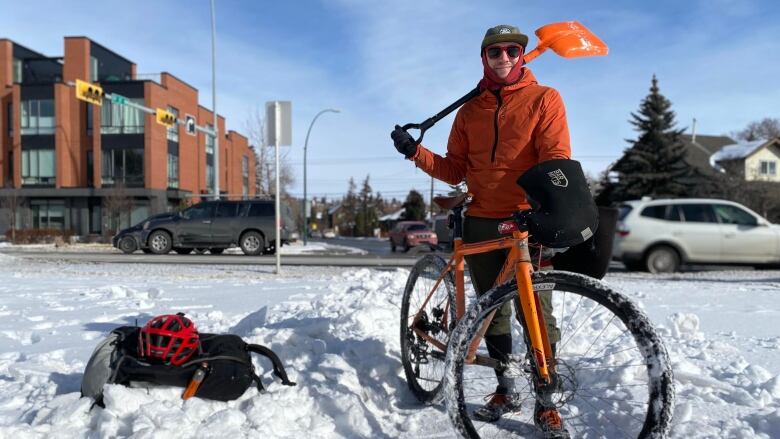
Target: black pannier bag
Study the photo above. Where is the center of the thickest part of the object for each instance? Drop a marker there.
(225, 359)
(592, 257)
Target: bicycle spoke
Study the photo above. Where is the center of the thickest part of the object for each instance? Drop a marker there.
(585, 354)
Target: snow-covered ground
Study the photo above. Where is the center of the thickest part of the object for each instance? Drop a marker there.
(294, 248)
(337, 332)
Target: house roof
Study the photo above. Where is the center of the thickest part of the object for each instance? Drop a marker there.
(698, 152)
(737, 150)
(392, 216)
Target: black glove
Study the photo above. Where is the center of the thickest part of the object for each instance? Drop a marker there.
(404, 142)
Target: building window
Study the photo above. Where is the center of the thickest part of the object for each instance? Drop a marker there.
(173, 170)
(93, 69)
(38, 116)
(121, 119)
(17, 79)
(209, 140)
(10, 119)
(245, 176)
(48, 214)
(768, 168)
(38, 166)
(210, 178)
(124, 166)
(173, 131)
(90, 169)
(89, 118)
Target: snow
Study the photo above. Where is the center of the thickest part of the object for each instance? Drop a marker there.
(336, 330)
(294, 248)
(736, 151)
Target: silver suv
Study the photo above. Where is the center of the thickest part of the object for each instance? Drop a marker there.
(660, 235)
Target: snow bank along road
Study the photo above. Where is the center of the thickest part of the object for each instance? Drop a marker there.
(337, 331)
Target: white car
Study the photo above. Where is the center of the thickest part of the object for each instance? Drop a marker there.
(660, 235)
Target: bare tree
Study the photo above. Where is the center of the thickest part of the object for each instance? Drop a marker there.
(114, 205)
(265, 176)
(12, 205)
(765, 129)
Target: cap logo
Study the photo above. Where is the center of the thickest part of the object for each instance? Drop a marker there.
(505, 30)
(558, 178)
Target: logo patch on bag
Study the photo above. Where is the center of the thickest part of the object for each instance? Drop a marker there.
(558, 178)
(586, 234)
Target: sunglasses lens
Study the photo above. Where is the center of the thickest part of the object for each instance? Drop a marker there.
(513, 52)
(494, 52)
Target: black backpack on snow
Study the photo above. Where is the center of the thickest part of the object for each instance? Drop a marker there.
(225, 358)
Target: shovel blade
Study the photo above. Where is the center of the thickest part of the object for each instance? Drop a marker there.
(570, 39)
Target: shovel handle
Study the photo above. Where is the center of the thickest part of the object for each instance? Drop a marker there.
(431, 121)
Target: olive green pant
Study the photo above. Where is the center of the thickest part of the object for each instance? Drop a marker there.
(484, 269)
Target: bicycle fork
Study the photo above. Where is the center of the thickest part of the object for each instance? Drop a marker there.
(534, 321)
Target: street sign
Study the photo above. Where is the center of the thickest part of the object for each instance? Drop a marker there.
(118, 99)
(88, 92)
(189, 124)
(278, 131)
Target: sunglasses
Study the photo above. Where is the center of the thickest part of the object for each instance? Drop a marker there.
(511, 51)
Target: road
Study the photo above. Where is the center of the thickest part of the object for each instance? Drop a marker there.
(375, 246)
(192, 259)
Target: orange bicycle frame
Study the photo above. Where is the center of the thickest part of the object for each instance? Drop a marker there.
(518, 263)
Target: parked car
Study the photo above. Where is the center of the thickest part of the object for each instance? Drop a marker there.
(660, 235)
(209, 225)
(408, 234)
(329, 234)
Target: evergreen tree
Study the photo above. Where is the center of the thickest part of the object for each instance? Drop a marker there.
(367, 219)
(655, 163)
(347, 214)
(414, 206)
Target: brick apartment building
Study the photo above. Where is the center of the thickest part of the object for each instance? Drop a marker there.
(71, 163)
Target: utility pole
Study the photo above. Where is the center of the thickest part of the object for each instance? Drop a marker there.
(431, 200)
(214, 99)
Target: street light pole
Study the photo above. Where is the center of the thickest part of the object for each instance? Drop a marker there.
(214, 99)
(305, 146)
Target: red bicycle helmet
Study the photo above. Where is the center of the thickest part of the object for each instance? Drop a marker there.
(169, 338)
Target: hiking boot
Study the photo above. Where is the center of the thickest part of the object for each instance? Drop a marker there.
(499, 404)
(549, 422)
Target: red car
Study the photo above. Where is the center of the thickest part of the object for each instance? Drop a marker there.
(408, 234)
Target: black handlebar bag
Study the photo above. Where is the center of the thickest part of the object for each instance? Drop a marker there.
(564, 213)
(224, 358)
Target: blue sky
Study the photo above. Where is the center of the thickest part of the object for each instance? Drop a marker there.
(388, 62)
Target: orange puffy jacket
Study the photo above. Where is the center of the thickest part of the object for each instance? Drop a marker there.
(495, 139)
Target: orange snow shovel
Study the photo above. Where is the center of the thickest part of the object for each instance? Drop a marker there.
(569, 39)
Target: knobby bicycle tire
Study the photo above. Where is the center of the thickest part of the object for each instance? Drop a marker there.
(424, 364)
(586, 411)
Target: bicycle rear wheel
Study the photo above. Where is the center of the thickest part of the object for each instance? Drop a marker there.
(614, 375)
(424, 362)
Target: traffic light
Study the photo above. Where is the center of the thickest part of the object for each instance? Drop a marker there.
(165, 118)
(90, 93)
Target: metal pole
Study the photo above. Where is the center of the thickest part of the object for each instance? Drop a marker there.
(431, 201)
(277, 130)
(305, 146)
(214, 99)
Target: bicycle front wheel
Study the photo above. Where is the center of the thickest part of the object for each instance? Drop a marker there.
(613, 376)
(427, 313)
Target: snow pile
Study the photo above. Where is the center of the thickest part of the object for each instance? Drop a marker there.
(337, 333)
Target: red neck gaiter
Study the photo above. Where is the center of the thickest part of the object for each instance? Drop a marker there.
(491, 81)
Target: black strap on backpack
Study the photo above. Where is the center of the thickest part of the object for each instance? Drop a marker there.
(277, 364)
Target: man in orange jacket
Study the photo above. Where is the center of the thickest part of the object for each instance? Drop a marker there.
(513, 124)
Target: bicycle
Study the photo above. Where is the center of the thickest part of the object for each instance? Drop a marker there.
(613, 372)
